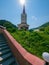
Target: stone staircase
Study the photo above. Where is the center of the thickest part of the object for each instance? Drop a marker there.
(6, 56)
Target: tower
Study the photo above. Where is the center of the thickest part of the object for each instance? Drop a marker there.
(23, 24)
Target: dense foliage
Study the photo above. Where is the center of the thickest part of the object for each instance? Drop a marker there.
(35, 42)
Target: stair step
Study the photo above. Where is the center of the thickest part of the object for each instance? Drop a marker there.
(9, 61)
(2, 41)
(3, 45)
(3, 48)
(4, 51)
(5, 57)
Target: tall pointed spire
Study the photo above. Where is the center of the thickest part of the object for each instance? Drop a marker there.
(23, 9)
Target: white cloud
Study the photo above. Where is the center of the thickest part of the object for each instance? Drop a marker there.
(34, 18)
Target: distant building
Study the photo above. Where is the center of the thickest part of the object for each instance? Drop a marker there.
(36, 30)
(23, 24)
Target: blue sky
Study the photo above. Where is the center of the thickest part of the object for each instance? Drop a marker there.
(37, 11)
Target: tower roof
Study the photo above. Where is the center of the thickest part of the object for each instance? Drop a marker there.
(24, 9)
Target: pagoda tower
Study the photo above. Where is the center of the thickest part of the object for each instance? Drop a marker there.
(23, 24)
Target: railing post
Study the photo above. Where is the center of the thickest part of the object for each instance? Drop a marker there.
(45, 56)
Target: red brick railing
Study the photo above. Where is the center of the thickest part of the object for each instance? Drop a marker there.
(21, 55)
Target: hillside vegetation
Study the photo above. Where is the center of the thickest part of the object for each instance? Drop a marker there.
(9, 26)
(34, 42)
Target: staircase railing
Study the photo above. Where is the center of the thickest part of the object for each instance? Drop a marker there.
(21, 55)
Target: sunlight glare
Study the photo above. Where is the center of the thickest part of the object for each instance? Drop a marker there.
(22, 2)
